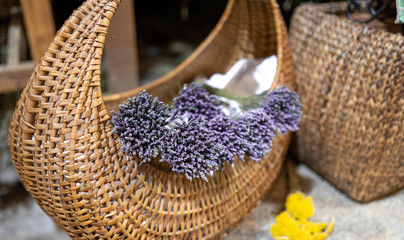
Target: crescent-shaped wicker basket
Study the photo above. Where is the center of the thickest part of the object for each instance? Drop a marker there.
(350, 77)
(67, 157)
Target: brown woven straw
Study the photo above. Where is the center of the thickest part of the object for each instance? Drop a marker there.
(69, 160)
(351, 81)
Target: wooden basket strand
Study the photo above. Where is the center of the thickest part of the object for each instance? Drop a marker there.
(69, 160)
(351, 81)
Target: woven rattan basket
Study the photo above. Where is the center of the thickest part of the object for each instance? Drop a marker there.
(69, 160)
(351, 81)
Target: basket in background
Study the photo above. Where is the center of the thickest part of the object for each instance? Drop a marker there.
(350, 78)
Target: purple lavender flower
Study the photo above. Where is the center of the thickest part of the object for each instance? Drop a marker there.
(256, 127)
(194, 100)
(204, 138)
(227, 130)
(140, 123)
(191, 148)
(283, 107)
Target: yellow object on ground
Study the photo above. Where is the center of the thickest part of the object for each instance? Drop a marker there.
(292, 224)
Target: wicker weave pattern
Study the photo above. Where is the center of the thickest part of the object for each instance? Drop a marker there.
(69, 160)
(351, 81)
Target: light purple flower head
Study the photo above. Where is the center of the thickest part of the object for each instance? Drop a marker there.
(191, 148)
(196, 138)
(140, 123)
(227, 131)
(194, 100)
(283, 107)
(256, 127)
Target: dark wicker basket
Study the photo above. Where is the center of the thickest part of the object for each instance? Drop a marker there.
(351, 81)
(67, 157)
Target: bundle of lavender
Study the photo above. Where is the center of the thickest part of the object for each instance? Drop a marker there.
(205, 127)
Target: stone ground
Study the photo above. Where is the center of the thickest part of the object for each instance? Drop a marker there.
(382, 219)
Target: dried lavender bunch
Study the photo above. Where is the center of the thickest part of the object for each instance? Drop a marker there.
(191, 148)
(227, 130)
(257, 128)
(140, 123)
(202, 138)
(283, 107)
(194, 100)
